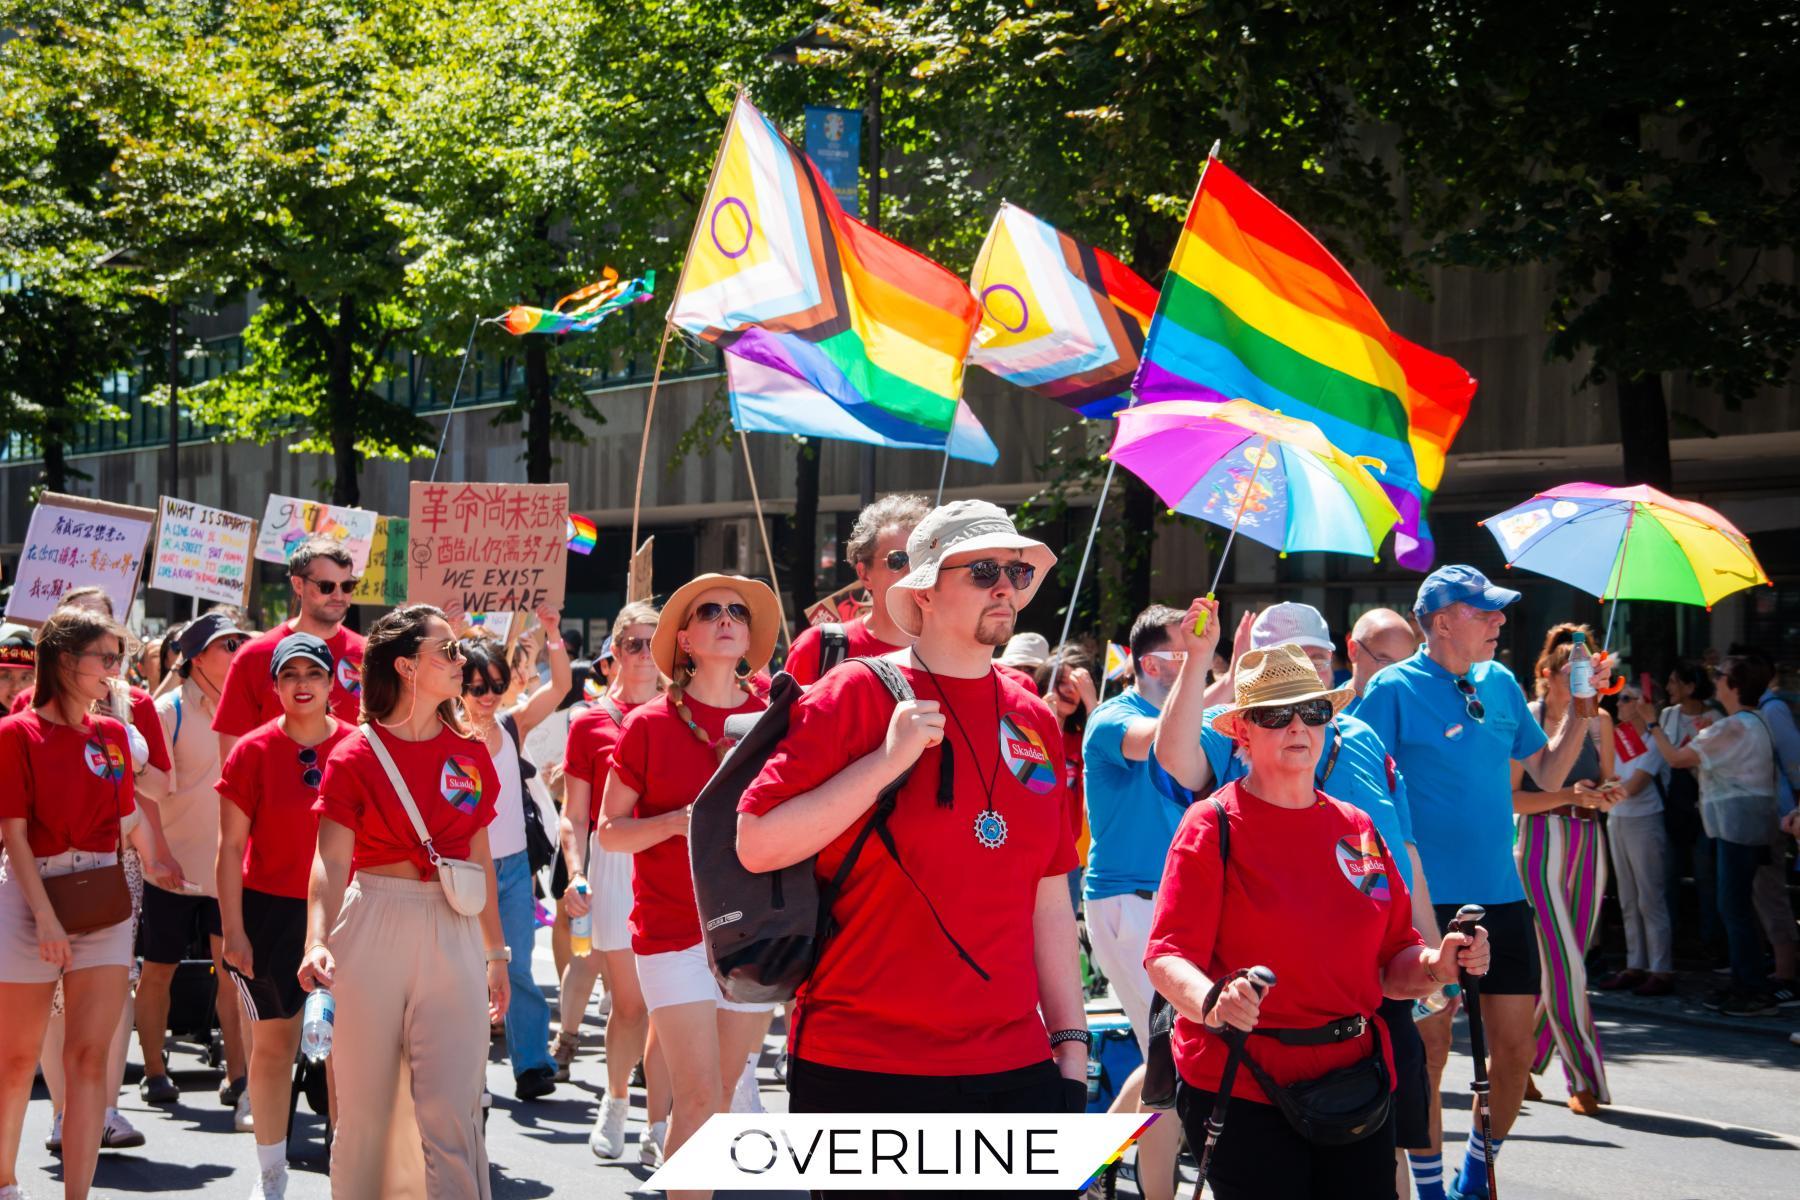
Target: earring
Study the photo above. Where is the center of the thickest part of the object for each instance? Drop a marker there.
(743, 669)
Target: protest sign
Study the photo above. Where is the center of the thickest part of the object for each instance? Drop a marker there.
(492, 547)
(383, 580)
(287, 522)
(637, 579)
(76, 542)
(202, 552)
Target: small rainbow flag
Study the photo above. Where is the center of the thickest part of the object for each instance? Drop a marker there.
(592, 690)
(583, 533)
(1255, 308)
(593, 304)
(1118, 661)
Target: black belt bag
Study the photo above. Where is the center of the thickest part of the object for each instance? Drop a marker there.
(1341, 1106)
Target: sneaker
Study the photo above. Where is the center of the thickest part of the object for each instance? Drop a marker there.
(650, 1144)
(1749, 1004)
(608, 1138)
(118, 1133)
(604, 1008)
(230, 1090)
(240, 1115)
(53, 1143)
(1786, 992)
(534, 1083)
(1716, 1001)
(747, 1097)
(271, 1184)
(158, 1089)
(562, 1053)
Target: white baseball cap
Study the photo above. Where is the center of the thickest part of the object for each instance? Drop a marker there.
(1291, 624)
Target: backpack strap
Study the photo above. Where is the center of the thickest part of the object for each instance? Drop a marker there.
(834, 646)
(612, 709)
(527, 769)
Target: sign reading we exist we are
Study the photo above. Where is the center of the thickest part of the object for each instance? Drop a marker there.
(490, 547)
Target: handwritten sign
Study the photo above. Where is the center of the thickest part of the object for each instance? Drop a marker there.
(383, 580)
(76, 542)
(202, 552)
(492, 547)
(287, 522)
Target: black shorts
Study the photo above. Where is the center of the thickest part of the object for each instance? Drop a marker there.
(1513, 968)
(173, 923)
(1261, 1157)
(276, 927)
(1412, 1085)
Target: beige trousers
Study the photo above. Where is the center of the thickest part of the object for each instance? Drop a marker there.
(410, 1045)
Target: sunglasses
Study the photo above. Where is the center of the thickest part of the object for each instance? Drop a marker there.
(452, 652)
(1315, 712)
(986, 572)
(478, 690)
(631, 645)
(108, 660)
(1471, 703)
(711, 611)
(309, 760)
(231, 644)
(328, 586)
(897, 560)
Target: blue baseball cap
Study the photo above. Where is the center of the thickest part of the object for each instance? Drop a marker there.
(606, 651)
(1460, 584)
(300, 645)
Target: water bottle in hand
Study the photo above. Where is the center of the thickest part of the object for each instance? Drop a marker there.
(1436, 1001)
(316, 1021)
(581, 929)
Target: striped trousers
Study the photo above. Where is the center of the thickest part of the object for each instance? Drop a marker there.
(1563, 863)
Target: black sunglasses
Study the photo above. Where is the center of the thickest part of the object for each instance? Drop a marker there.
(309, 758)
(711, 611)
(631, 645)
(483, 688)
(1471, 703)
(1314, 712)
(985, 572)
(328, 586)
(897, 560)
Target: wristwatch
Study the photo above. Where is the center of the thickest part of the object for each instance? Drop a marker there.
(502, 955)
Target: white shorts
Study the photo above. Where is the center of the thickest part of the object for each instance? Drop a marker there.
(609, 892)
(19, 960)
(1119, 931)
(683, 977)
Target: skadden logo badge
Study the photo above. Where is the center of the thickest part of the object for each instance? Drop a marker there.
(461, 783)
(952, 1152)
(349, 676)
(105, 760)
(1024, 754)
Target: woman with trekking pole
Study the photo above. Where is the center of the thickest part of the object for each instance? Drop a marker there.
(1273, 879)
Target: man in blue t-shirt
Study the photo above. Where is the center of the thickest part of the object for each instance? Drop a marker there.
(1456, 721)
(1133, 808)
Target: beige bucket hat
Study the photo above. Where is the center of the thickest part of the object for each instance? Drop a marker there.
(960, 527)
(1279, 675)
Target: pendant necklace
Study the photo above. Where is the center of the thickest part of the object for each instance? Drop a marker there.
(990, 826)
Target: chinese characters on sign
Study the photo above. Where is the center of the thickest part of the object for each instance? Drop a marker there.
(287, 522)
(202, 552)
(76, 542)
(492, 547)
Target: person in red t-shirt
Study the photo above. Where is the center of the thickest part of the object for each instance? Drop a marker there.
(323, 575)
(592, 738)
(405, 967)
(267, 830)
(67, 803)
(876, 549)
(896, 1016)
(1310, 891)
(714, 631)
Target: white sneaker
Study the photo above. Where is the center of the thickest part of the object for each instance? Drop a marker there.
(53, 1143)
(650, 1146)
(118, 1133)
(747, 1097)
(240, 1114)
(271, 1184)
(604, 1008)
(608, 1138)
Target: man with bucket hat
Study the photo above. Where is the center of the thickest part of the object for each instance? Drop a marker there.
(950, 983)
(1456, 720)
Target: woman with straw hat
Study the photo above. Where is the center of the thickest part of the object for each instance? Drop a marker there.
(1273, 872)
(715, 632)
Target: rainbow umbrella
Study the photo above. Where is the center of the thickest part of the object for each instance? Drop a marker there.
(1277, 480)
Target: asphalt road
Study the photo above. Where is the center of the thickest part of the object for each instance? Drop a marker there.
(1699, 1114)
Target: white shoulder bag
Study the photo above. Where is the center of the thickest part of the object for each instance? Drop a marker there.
(464, 882)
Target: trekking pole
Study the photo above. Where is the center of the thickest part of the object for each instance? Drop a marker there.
(1467, 917)
(1262, 979)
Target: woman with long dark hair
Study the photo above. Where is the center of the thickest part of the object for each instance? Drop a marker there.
(402, 946)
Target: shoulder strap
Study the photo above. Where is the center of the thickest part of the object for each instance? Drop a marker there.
(1224, 832)
(1337, 743)
(613, 710)
(834, 644)
(177, 734)
(400, 789)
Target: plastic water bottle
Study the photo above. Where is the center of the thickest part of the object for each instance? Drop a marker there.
(1583, 698)
(1436, 1002)
(581, 929)
(316, 1021)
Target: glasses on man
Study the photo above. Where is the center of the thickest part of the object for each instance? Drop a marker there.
(986, 572)
(1315, 712)
(1175, 656)
(711, 611)
(328, 586)
(310, 774)
(109, 660)
(632, 645)
(1471, 702)
(897, 560)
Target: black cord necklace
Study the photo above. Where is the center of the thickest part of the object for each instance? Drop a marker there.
(990, 826)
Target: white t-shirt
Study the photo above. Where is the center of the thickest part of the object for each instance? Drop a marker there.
(506, 835)
(1737, 780)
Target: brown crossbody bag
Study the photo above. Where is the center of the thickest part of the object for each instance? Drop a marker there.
(96, 898)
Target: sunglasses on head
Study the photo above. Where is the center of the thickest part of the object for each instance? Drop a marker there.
(1314, 712)
(1471, 703)
(986, 572)
(631, 645)
(711, 611)
(328, 586)
(309, 760)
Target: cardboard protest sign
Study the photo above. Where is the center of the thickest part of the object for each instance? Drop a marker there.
(287, 522)
(76, 542)
(202, 552)
(492, 547)
(383, 580)
(831, 608)
(638, 585)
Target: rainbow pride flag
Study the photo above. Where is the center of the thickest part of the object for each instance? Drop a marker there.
(593, 304)
(583, 533)
(869, 335)
(1058, 317)
(1255, 308)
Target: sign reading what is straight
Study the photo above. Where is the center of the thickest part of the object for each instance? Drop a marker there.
(202, 552)
(76, 542)
(492, 547)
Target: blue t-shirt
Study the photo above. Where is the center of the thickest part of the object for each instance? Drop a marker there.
(1363, 775)
(1132, 807)
(1458, 771)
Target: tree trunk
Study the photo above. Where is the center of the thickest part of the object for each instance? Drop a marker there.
(56, 466)
(1644, 438)
(537, 394)
(340, 401)
(801, 569)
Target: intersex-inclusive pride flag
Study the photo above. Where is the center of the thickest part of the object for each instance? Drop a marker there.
(829, 329)
(1059, 317)
(1255, 307)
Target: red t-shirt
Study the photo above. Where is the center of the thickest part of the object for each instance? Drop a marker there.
(143, 719)
(803, 655)
(453, 785)
(1024, 679)
(1077, 804)
(263, 777)
(1311, 895)
(891, 993)
(593, 736)
(658, 757)
(70, 784)
(248, 698)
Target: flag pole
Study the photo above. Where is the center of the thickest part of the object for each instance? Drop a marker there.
(637, 493)
(444, 434)
(944, 472)
(763, 526)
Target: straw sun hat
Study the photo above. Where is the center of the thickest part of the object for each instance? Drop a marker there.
(1273, 677)
(755, 593)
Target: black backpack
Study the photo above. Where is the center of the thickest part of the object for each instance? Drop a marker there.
(764, 931)
(834, 647)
